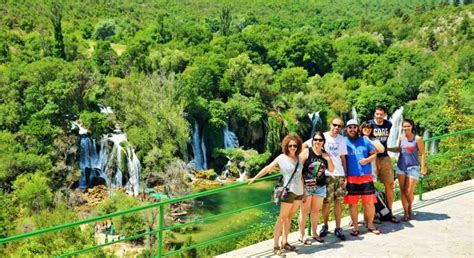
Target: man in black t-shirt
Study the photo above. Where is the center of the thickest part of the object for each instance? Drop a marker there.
(381, 129)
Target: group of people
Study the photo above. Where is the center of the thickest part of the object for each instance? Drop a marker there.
(331, 168)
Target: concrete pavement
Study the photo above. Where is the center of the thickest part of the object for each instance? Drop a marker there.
(441, 227)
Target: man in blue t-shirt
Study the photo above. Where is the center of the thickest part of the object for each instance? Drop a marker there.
(360, 152)
(381, 129)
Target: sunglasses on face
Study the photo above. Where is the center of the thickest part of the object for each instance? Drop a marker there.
(352, 127)
(292, 146)
(337, 125)
(318, 140)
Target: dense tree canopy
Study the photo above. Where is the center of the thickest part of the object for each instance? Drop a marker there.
(258, 67)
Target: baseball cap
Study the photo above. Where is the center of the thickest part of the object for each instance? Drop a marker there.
(352, 122)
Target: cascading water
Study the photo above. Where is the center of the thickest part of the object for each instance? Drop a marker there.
(314, 118)
(230, 139)
(133, 166)
(426, 135)
(354, 114)
(434, 147)
(103, 164)
(199, 149)
(90, 163)
(396, 119)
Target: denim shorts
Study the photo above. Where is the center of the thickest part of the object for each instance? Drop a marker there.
(316, 190)
(412, 172)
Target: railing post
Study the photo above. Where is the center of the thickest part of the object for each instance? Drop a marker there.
(420, 189)
(309, 223)
(160, 233)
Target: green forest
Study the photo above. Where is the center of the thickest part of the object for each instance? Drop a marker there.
(168, 68)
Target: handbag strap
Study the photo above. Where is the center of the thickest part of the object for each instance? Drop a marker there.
(294, 171)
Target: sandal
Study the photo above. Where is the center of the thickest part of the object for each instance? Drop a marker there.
(318, 239)
(277, 250)
(289, 247)
(305, 242)
(377, 221)
(355, 232)
(394, 220)
(374, 230)
(406, 217)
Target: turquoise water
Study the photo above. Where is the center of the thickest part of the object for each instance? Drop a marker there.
(231, 200)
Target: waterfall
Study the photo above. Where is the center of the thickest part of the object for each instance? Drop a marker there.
(314, 118)
(241, 176)
(100, 164)
(354, 114)
(230, 139)
(426, 135)
(132, 186)
(396, 119)
(433, 147)
(90, 163)
(199, 149)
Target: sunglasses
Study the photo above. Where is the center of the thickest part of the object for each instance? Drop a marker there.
(318, 140)
(352, 127)
(337, 125)
(292, 146)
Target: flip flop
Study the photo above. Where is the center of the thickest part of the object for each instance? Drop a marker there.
(406, 218)
(289, 247)
(394, 220)
(355, 232)
(318, 239)
(305, 242)
(277, 250)
(374, 230)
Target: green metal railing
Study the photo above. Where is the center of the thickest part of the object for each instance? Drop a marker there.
(161, 216)
(430, 158)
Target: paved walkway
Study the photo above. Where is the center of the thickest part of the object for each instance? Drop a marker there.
(442, 227)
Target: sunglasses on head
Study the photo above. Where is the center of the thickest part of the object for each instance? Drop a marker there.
(318, 140)
(292, 146)
(337, 125)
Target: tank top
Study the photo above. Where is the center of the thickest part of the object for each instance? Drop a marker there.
(314, 169)
(408, 153)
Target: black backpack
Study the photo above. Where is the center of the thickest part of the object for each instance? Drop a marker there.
(382, 211)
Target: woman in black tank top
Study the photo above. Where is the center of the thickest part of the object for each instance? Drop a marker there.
(315, 164)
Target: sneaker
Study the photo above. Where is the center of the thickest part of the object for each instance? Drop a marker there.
(340, 234)
(324, 231)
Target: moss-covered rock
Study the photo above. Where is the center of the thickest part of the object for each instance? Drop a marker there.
(209, 174)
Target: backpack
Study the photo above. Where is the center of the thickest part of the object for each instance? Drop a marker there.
(381, 209)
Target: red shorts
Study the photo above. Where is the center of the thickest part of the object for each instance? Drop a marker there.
(360, 187)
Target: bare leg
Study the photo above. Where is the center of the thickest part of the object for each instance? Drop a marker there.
(337, 213)
(326, 213)
(369, 209)
(410, 189)
(287, 226)
(304, 210)
(285, 209)
(402, 180)
(316, 203)
(354, 216)
(389, 193)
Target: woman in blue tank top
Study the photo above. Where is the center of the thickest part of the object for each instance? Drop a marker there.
(411, 163)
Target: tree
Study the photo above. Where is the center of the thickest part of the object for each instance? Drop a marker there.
(225, 21)
(104, 57)
(32, 192)
(56, 16)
